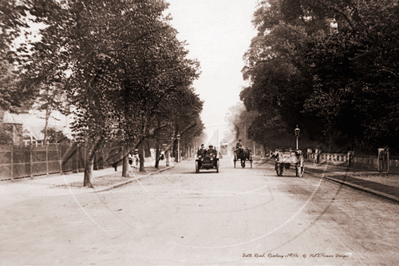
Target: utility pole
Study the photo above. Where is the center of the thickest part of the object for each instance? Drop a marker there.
(217, 138)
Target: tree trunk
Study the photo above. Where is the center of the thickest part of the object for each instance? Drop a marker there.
(88, 171)
(157, 153)
(141, 156)
(125, 161)
(175, 152)
(95, 161)
(89, 161)
(167, 157)
(46, 125)
(265, 150)
(330, 142)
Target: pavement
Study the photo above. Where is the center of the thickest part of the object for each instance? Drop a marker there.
(72, 183)
(385, 185)
(359, 177)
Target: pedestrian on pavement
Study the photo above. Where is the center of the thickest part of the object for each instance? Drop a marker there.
(316, 156)
(115, 166)
(136, 157)
(308, 153)
(351, 154)
(130, 159)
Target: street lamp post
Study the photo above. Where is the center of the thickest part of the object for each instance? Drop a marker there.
(297, 131)
(178, 147)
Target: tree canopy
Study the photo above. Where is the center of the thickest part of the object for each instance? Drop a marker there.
(123, 71)
(329, 66)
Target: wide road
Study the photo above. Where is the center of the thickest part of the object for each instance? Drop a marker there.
(236, 217)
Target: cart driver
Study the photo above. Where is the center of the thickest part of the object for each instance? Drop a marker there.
(239, 145)
(239, 148)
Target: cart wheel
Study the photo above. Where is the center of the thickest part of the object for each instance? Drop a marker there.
(196, 167)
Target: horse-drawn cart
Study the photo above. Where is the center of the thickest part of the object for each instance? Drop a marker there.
(242, 155)
(284, 160)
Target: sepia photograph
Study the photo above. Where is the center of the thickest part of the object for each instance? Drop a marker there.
(199, 132)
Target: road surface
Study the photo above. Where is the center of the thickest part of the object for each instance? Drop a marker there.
(236, 217)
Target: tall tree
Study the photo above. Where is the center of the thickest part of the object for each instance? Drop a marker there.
(355, 72)
(117, 61)
(304, 70)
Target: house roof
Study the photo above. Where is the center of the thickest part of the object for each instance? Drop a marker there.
(35, 132)
(10, 118)
(34, 123)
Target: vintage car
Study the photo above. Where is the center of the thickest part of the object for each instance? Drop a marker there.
(207, 161)
(284, 160)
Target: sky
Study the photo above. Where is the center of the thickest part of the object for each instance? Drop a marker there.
(218, 33)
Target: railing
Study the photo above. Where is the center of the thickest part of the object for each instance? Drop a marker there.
(29, 161)
(333, 157)
(370, 162)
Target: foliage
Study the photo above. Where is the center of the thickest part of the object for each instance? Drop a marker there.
(121, 55)
(119, 64)
(355, 72)
(56, 136)
(338, 84)
(11, 96)
(5, 137)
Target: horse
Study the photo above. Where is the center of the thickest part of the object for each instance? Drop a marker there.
(242, 155)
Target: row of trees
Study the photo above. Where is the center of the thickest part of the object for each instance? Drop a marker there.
(330, 66)
(118, 64)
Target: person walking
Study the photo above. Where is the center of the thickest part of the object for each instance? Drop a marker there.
(136, 157)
